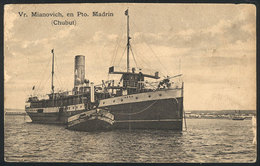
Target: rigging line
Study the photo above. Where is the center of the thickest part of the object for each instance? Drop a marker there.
(58, 78)
(44, 84)
(119, 39)
(150, 84)
(150, 49)
(145, 61)
(56, 64)
(121, 57)
(177, 108)
(38, 83)
(133, 55)
(58, 71)
(59, 82)
(63, 80)
(157, 58)
(142, 59)
(108, 75)
(115, 50)
(153, 87)
(114, 53)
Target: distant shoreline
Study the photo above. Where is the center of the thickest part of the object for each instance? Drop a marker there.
(227, 118)
(15, 113)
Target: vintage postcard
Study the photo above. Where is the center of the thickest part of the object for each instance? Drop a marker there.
(130, 83)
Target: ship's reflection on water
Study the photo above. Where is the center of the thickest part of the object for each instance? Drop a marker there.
(207, 140)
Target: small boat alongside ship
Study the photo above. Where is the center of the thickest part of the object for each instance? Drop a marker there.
(93, 120)
(130, 104)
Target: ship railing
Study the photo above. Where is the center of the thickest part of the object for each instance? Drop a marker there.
(135, 69)
(38, 96)
(41, 96)
(173, 82)
(176, 85)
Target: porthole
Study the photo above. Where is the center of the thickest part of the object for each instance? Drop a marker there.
(104, 102)
(113, 101)
(122, 100)
(136, 97)
(40, 110)
(160, 94)
(149, 96)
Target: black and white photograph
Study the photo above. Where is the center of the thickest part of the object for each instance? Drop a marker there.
(130, 83)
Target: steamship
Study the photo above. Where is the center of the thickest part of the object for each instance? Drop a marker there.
(128, 105)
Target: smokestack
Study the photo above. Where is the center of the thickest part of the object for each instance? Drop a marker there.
(79, 70)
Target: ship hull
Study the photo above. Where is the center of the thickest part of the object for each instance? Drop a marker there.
(51, 117)
(149, 110)
(162, 114)
(154, 110)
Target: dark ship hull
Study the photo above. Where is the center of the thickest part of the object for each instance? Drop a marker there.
(161, 109)
(151, 110)
(154, 117)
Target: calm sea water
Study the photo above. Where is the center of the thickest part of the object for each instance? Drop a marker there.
(207, 140)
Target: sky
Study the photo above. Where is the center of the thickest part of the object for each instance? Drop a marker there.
(212, 45)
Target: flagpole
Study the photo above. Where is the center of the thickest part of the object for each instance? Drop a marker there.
(128, 40)
(52, 71)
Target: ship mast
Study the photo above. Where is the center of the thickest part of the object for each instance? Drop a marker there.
(52, 71)
(128, 40)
